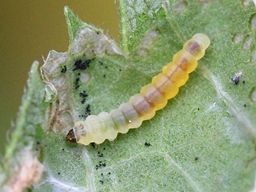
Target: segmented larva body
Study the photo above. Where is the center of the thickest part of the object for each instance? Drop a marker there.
(144, 105)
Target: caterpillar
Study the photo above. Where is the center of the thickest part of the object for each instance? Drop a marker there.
(142, 106)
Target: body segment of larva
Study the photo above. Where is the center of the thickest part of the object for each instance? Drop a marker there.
(144, 105)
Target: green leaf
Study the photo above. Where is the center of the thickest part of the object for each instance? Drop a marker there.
(20, 166)
(203, 140)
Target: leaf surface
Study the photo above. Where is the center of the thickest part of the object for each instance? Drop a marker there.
(203, 140)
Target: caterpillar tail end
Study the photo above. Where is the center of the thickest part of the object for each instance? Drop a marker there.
(71, 136)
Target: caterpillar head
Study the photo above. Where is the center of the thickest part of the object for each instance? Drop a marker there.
(71, 136)
(197, 45)
(79, 134)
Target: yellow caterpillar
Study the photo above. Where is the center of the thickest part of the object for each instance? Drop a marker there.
(144, 105)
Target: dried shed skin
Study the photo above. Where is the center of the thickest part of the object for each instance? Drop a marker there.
(94, 43)
(61, 112)
(57, 72)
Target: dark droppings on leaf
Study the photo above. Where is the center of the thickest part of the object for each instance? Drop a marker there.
(104, 75)
(147, 144)
(77, 83)
(83, 95)
(64, 69)
(88, 109)
(86, 114)
(109, 173)
(79, 64)
(244, 105)
(100, 154)
(100, 165)
(196, 158)
(102, 182)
